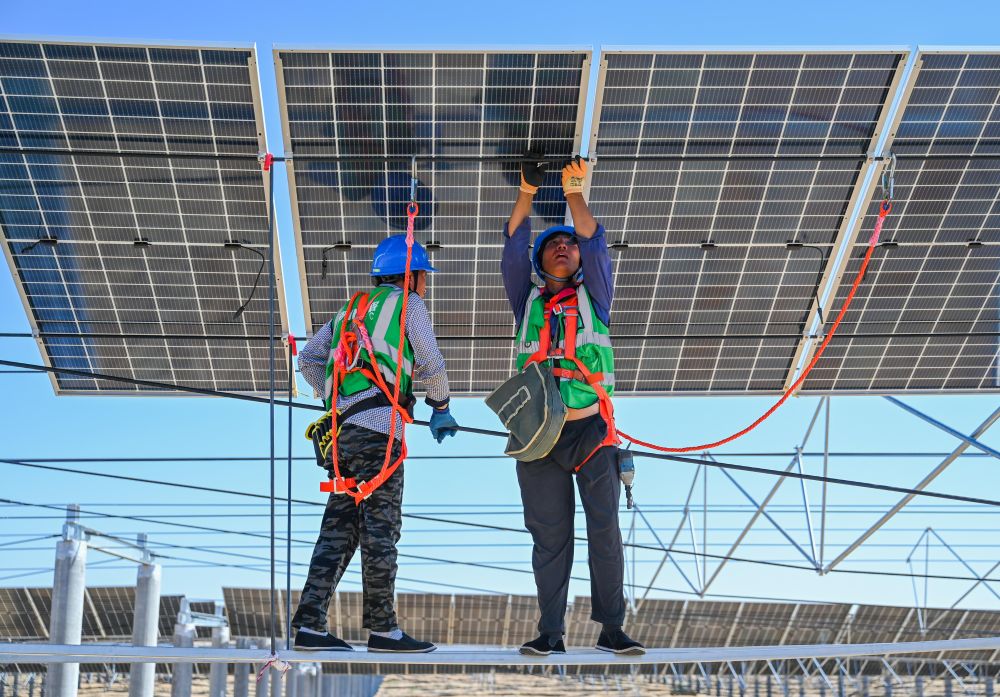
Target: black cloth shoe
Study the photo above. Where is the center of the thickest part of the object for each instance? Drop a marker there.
(542, 646)
(617, 641)
(307, 641)
(406, 644)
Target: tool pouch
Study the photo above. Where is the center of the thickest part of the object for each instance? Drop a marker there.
(531, 409)
(320, 432)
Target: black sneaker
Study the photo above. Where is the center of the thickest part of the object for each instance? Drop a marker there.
(307, 641)
(542, 646)
(617, 641)
(406, 644)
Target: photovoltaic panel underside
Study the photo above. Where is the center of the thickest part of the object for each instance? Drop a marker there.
(353, 120)
(927, 315)
(708, 164)
(123, 171)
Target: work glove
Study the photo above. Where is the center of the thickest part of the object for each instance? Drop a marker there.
(443, 424)
(532, 173)
(573, 175)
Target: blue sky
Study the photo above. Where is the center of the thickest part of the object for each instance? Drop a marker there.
(38, 425)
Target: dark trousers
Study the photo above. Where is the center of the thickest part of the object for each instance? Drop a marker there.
(549, 507)
(374, 525)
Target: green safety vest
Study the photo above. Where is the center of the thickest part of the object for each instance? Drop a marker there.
(383, 324)
(593, 346)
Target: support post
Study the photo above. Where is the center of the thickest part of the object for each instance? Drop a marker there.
(145, 626)
(276, 683)
(218, 672)
(184, 634)
(68, 588)
(263, 688)
(241, 673)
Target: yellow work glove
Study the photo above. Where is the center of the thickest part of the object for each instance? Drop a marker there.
(573, 175)
(532, 173)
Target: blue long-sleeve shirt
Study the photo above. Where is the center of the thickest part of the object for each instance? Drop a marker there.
(515, 265)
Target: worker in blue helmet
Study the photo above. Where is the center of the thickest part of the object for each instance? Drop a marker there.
(364, 419)
(574, 269)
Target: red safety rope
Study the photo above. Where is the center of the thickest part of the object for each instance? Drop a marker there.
(884, 209)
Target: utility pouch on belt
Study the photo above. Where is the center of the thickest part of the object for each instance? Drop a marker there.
(531, 408)
(320, 432)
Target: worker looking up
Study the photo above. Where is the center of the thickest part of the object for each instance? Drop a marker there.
(364, 419)
(570, 261)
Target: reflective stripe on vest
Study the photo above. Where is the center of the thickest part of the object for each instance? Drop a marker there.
(593, 346)
(384, 302)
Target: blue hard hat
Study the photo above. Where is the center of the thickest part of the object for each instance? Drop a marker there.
(390, 257)
(536, 257)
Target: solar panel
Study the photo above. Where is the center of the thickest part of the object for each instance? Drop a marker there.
(352, 120)
(124, 170)
(707, 623)
(425, 615)
(21, 616)
(109, 613)
(761, 624)
(817, 624)
(931, 304)
(480, 619)
(708, 163)
(656, 621)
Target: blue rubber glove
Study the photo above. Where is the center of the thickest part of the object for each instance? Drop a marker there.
(443, 424)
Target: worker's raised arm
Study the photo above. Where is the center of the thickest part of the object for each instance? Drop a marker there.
(532, 177)
(573, 176)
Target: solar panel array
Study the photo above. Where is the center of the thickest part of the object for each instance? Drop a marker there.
(25, 613)
(744, 150)
(123, 172)
(931, 304)
(461, 112)
(501, 620)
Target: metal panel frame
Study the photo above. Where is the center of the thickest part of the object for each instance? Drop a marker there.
(836, 264)
(256, 93)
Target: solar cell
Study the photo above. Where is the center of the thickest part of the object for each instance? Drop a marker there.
(353, 120)
(123, 172)
(932, 301)
(708, 163)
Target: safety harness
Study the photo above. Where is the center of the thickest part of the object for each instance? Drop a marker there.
(564, 304)
(355, 353)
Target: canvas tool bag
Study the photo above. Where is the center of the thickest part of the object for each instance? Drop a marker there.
(531, 408)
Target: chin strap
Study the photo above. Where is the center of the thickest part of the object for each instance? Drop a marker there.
(575, 278)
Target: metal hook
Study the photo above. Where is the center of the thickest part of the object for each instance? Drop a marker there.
(413, 179)
(889, 179)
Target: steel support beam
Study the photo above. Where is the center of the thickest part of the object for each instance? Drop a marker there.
(944, 427)
(923, 484)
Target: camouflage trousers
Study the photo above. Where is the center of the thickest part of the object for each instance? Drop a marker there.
(374, 526)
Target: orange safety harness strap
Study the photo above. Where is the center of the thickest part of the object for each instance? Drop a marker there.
(565, 303)
(346, 357)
